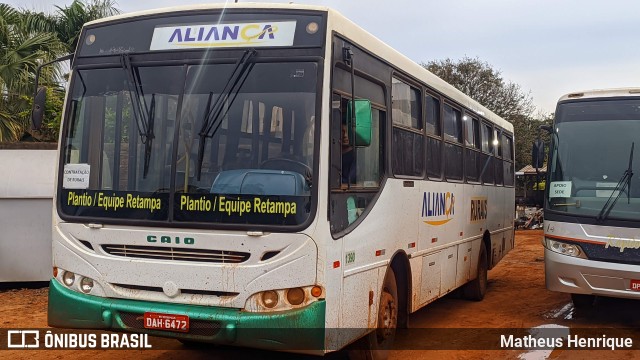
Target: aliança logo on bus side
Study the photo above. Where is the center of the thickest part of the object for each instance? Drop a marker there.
(438, 208)
(170, 240)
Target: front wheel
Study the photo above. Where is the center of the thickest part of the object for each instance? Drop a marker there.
(376, 345)
(477, 288)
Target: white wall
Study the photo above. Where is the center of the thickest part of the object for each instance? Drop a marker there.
(26, 193)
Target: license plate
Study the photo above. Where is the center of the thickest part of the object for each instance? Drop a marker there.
(635, 285)
(167, 322)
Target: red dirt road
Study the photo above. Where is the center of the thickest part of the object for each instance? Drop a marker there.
(516, 298)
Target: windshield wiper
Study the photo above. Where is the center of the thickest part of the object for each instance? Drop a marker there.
(149, 136)
(215, 114)
(144, 116)
(624, 181)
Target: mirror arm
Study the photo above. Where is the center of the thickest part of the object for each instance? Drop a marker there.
(37, 78)
(40, 103)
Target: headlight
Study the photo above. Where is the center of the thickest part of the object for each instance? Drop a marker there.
(78, 282)
(68, 278)
(295, 296)
(284, 299)
(270, 299)
(86, 284)
(564, 248)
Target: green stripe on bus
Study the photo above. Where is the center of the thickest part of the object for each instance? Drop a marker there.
(297, 329)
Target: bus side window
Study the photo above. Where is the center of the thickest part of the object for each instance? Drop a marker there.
(355, 171)
(408, 139)
(499, 174)
(453, 144)
(336, 143)
(434, 137)
(487, 161)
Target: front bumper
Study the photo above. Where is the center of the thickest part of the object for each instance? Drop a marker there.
(581, 276)
(299, 330)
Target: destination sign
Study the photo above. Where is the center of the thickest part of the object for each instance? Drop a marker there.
(187, 207)
(115, 204)
(258, 34)
(242, 209)
(203, 30)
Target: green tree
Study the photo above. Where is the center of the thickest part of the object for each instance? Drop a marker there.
(483, 83)
(67, 21)
(10, 130)
(527, 130)
(28, 39)
(21, 51)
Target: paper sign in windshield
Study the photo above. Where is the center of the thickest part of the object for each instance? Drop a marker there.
(76, 176)
(259, 34)
(560, 189)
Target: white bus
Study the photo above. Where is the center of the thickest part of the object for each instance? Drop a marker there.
(218, 174)
(592, 202)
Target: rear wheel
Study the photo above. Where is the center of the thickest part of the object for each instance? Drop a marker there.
(477, 288)
(582, 301)
(376, 345)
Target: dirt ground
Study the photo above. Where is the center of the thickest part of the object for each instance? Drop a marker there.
(516, 298)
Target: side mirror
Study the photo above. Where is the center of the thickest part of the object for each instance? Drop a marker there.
(362, 135)
(537, 154)
(37, 111)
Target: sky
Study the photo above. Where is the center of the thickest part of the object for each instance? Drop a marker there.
(548, 47)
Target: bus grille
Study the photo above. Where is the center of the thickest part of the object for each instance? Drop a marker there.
(196, 327)
(611, 254)
(182, 291)
(177, 254)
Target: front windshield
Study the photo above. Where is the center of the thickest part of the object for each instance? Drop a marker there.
(256, 164)
(591, 151)
(260, 143)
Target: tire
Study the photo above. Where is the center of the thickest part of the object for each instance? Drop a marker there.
(376, 344)
(582, 301)
(477, 288)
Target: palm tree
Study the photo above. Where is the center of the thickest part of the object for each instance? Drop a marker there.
(21, 52)
(67, 22)
(28, 39)
(10, 130)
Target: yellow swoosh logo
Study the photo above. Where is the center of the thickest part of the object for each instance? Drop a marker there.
(437, 223)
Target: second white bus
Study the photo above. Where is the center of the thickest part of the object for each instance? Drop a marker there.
(592, 202)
